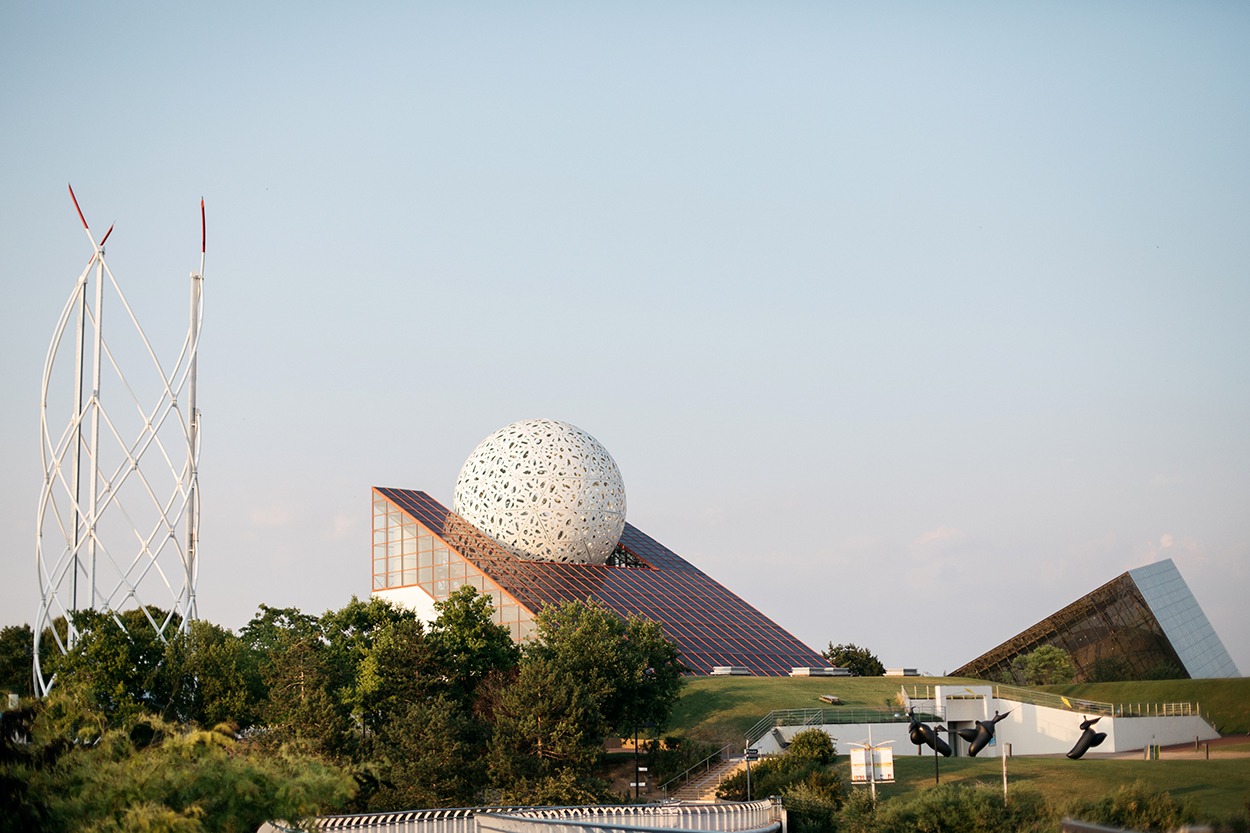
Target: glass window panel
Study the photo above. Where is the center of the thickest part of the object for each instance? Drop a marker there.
(379, 582)
(410, 561)
(410, 577)
(440, 588)
(410, 545)
(392, 579)
(440, 555)
(456, 568)
(410, 529)
(425, 542)
(440, 571)
(425, 559)
(379, 536)
(455, 584)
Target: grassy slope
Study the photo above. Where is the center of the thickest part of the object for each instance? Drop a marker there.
(1225, 703)
(1216, 788)
(721, 709)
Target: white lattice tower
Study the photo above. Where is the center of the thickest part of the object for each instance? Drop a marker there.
(118, 521)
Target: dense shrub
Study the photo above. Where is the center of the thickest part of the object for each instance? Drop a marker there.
(960, 808)
(813, 745)
(1135, 806)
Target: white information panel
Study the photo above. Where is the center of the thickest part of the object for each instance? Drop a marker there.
(882, 765)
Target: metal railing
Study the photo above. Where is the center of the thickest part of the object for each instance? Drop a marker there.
(704, 765)
(731, 817)
(817, 717)
(1079, 705)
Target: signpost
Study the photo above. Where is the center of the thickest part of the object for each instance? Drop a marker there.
(751, 755)
(872, 763)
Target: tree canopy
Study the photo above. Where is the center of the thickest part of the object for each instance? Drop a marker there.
(1047, 665)
(861, 661)
(381, 710)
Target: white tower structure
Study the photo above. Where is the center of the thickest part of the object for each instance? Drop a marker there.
(118, 518)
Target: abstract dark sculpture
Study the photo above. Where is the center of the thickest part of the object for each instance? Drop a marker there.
(922, 733)
(978, 738)
(1088, 739)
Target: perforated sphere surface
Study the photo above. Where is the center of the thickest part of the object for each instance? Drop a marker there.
(544, 490)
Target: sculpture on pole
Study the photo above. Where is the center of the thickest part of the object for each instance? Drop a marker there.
(980, 737)
(922, 734)
(1088, 739)
(118, 518)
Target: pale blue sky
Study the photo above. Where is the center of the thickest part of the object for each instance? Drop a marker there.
(910, 323)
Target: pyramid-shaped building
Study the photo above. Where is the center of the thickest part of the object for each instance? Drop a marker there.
(1140, 624)
(423, 552)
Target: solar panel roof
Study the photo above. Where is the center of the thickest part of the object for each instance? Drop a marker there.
(711, 625)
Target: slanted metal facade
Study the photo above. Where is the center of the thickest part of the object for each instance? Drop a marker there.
(418, 542)
(1133, 627)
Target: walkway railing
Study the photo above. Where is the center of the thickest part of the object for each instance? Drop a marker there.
(701, 767)
(817, 717)
(1071, 704)
(730, 817)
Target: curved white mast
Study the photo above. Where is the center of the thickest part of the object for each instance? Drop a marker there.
(121, 541)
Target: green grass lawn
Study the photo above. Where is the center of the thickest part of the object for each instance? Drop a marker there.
(720, 709)
(1216, 788)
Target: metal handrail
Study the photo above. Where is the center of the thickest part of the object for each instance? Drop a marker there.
(718, 754)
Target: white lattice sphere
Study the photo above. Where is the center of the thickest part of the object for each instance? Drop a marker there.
(544, 490)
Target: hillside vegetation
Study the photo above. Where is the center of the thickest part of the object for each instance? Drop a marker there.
(721, 709)
(1224, 703)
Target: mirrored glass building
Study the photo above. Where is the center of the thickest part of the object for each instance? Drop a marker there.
(1144, 623)
(423, 552)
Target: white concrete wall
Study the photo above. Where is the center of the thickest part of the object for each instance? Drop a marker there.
(1029, 729)
(843, 734)
(413, 598)
(1040, 730)
(1128, 733)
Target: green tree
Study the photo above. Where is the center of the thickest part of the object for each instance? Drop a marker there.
(861, 661)
(467, 643)
(628, 669)
(17, 660)
(544, 722)
(813, 745)
(1047, 665)
(398, 670)
(206, 671)
(301, 709)
(431, 755)
(116, 663)
(179, 779)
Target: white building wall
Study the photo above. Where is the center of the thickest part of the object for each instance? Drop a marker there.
(843, 734)
(1028, 729)
(413, 598)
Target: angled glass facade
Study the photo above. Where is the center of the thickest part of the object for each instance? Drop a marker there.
(1134, 625)
(1184, 624)
(417, 542)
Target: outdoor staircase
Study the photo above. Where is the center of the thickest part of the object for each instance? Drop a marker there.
(703, 788)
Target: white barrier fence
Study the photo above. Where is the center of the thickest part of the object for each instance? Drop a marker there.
(730, 817)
